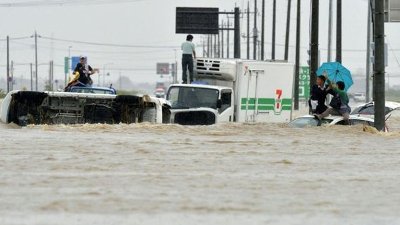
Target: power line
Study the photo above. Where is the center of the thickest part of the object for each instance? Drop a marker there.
(17, 38)
(110, 44)
(58, 49)
(39, 3)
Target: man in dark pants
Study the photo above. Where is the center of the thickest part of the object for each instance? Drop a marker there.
(318, 96)
(188, 53)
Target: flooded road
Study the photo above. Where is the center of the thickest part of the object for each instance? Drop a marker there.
(222, 174)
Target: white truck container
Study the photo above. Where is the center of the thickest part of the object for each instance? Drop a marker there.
(234, 90)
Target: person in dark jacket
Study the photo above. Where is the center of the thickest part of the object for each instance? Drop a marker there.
(341, 107)
(84, 71)
(318, 96)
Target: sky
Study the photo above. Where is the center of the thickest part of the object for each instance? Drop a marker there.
(146, 29)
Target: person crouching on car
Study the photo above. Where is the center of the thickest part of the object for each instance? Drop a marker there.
(339, 103)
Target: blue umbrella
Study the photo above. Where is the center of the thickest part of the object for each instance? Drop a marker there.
(336, 72)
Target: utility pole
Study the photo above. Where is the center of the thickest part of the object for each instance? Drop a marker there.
(51, 76)
(204, 47)
(212, 45)
(263, 29)
(175, 79)
(287, 31)
(273, 30)
(12, 75)
(368, 64)
(379, 69)
(104, 74)
(222, 40)
(208, 45)
(237, 34)
(120, 82)
(227, 40)
(31, 77)
(297, 64)
(314, 41)
(69, 65)
(248, 30)
(339, 32)
(219, 45)
(36, 62)
(255, 31)
(215, 46)
(49, 79)
(329, 58)
(8, 64)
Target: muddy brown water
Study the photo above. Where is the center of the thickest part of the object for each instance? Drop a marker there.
(223, 174)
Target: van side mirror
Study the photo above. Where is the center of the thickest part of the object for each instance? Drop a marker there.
(219, 103)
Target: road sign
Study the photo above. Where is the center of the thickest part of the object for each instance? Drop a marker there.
(66, 65)
(162, 68)
(197, 20)
(74, 61)
(304, 82)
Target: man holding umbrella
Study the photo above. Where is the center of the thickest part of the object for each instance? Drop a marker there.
(339, 80)
(339, 103)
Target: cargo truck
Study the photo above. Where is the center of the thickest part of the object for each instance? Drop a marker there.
(234, 90)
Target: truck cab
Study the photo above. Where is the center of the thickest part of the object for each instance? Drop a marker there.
(208, 104)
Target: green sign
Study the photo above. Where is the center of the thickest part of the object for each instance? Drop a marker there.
(66, 66)
(304, 82)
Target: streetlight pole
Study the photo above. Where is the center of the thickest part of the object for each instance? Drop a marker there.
(104, 72)
(36, 62)
(67, 72)
(8, 64)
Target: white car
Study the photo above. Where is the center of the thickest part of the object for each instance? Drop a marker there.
(363, 114)
(359, 97)
(368, 109)
(309, 120)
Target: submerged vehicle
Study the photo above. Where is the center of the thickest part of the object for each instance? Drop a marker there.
(31, 107)
(159, 93)
(234, 90)
(359, 97)
(362, 114)
(368, 109)
(311, 121)
(94, 90)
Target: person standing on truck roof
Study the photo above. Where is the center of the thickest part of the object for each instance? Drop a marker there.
(188, 53)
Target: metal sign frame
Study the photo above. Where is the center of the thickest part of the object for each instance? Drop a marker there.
(190, 20)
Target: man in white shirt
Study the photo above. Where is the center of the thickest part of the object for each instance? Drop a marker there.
(188, 53)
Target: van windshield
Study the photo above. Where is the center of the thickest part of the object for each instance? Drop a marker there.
(192, 97)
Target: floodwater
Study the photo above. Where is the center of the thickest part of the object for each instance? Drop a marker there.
(222, 174)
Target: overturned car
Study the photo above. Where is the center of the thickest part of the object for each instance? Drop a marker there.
(31, 107)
